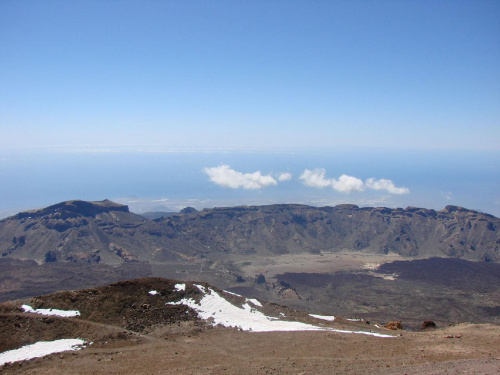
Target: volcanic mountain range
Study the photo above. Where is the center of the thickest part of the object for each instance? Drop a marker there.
(93, 232)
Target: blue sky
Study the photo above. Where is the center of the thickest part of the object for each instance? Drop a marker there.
(392, 74)
(212, 102)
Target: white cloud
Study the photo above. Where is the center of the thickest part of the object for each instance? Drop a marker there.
(348, 184)
(386, 185)
(447, 195)
(345, 184)
(284, 177)
(224, 176)
(315, 178)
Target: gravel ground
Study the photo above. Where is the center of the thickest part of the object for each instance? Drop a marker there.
(459, 349)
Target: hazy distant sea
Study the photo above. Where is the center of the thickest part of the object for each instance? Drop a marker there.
(168, 180)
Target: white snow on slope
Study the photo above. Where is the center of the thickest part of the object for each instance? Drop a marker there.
(213, 306)
(234, 294)
(40, 349)
(254, 301)
(360, 332)
(180, 287)
(54, 312)
(153, 292)
(323, 317)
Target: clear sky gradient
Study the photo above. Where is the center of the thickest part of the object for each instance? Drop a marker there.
(333, 74)
(204, 103)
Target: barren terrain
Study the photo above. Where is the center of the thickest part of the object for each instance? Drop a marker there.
(128, 337)
(226, 351)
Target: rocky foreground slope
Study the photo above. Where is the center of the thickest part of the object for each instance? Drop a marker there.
(155, 306)
(164, 326)
(94, 232)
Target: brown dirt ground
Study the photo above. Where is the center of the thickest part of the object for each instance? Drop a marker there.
(229, 351)
(129, 338)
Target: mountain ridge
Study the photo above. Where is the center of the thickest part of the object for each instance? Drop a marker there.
(104, 231)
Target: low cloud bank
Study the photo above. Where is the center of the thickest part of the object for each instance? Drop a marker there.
(348, 184)
(224, 176)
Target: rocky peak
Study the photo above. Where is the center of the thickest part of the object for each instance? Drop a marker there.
(74, 208)
(346, 206)
(188, 210)
(451, 208)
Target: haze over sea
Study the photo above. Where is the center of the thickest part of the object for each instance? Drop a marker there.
(171, 179)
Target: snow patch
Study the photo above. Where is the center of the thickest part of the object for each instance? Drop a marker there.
(40, 349)
(234, 294)
(323, 317)
(254, 301)
(213, 306)
(247, 307)
(220, 311)
(361, 333)
(153, 292)
(53, 312)
(355, 320)
(391, 277)
(180, 287)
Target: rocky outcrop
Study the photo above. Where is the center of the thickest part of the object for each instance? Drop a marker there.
(428, 324)
(188, 210)
(394, 325)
